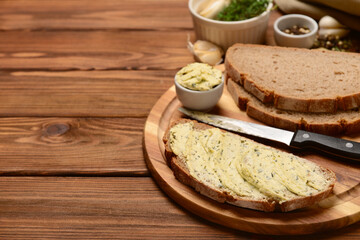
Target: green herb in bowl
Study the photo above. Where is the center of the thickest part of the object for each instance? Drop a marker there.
(239, 10)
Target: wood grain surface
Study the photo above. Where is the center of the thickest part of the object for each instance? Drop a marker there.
(340, 209)
(108, 208)
(72, 146)
(89, 15)
(93, 50)
(78, 79)
(81, 93)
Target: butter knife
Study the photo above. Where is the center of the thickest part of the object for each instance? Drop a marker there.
(299, 139)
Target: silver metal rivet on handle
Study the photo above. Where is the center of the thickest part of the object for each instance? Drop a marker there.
(305, 135)
(349, 145)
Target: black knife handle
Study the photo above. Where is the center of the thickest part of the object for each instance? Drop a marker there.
(335, 146)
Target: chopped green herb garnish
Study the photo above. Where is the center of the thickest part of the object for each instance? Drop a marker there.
(242, 9)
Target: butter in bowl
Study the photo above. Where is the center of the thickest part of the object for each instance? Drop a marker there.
(199, 86)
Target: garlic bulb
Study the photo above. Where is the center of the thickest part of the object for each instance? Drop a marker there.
(206, 52)
(330, 26)
(211, 8)
(330, 22)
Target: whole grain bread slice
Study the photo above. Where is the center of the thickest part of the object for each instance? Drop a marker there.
(342, 122)
(182, 173)
(297, 79)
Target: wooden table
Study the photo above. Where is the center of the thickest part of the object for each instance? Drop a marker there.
(78, 79)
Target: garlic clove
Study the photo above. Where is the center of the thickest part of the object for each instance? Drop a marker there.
(206, 52)
(211, 58)
(211, 8)
(330, 26)
(341, 32)
(330, 22)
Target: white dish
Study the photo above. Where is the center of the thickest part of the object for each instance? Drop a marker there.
(299, 41)
(224, 33)
(199, 100)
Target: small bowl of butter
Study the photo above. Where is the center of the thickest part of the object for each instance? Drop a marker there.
(199, 86)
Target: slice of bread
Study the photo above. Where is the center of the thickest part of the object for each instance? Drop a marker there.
(342, 122)
(297, 79)
(229, 168)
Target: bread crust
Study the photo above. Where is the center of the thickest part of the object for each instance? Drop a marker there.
(182, 174)
(287, 102)
(302, 202)
(282, 120)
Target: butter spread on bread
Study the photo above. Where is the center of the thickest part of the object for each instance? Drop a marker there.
(244, 170)
(211, 157)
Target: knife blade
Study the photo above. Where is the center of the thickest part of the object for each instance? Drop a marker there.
(299, 139)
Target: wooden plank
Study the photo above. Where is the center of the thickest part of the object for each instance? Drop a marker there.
(72, 146)
(84, 15)
(94, 50)
(82, 93)
(108, 208)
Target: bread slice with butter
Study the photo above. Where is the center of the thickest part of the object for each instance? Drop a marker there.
(229, 168)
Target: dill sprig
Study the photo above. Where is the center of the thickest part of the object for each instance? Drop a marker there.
(242, 9)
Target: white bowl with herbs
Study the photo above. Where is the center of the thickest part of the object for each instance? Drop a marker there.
(225, 22)
(199, 86)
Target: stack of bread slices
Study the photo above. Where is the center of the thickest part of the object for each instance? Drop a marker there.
(293, 88)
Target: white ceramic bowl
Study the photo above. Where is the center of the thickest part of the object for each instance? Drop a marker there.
(299, 41)
(224, 33)
(199, 100)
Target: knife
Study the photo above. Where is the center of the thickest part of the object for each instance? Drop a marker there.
(299, 139)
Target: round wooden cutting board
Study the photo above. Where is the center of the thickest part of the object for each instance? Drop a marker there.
(342, 208)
